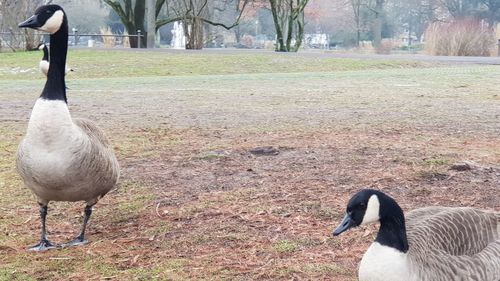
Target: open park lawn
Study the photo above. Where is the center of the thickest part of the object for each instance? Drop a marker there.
(194, 203)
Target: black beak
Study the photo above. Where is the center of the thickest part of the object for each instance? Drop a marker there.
(32, 22)
(346, 223)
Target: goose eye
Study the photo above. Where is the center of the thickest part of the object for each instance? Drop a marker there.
(362, 205)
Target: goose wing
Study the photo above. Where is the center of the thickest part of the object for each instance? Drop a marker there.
(455, 243)
(415, 217)
(99, 161)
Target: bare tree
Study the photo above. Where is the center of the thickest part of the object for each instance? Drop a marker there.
(461, 8)
(417, 15)
(492, 13)
(368, 14)
(132, 14)
(193, 13)
(377, 22)
(13, 12)
(288, 16)
(357, 5)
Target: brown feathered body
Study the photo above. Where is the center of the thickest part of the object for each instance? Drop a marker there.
(65, 159)
(448, 244)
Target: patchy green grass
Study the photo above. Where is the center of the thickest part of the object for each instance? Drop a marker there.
(285, 246)
(330, 269)
(437, 161)
(136, 63)
(145, 142)
(194, 204)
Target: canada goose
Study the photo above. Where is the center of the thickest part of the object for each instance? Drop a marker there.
(60, 158)
(43, 66)
(434, 244)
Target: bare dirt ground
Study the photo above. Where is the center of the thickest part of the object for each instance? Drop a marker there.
(194, 203)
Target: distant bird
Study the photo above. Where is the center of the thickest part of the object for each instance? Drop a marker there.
(43, 66)
(60, 158)
(433, 244)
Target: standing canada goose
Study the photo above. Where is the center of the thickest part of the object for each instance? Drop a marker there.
(43, 66)
(60, 158)
(433, 244)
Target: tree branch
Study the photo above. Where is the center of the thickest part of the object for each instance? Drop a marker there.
(117, 8)
(159, 5)
(202, 7)
(160, 23)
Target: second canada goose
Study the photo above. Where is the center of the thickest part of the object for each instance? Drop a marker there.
(43, 66)
(431, 244)
(61, 158)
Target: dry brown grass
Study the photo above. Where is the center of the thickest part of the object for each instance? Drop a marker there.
(467, 37)
(126, 40)
(195, 204)
(109, 41)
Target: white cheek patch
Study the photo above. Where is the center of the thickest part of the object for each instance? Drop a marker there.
(53, 24)
(41, 47)
(372, 210)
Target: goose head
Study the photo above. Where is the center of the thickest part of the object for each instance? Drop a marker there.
(41, 46)
(369, 206)
(47, 18)
(52, 19)
(363, 208)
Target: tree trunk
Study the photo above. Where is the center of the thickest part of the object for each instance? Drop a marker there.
(237, 34)
(377, 23)
(300, 31)
(288, 15)
(194, 33)
(289, 25)
(132, 18)
(409, 34)
(357, 8)
(280, 43)
(151, 23)
(132, 30)
(358, 37)
(139, 14)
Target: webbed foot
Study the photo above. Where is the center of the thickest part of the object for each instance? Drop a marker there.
(44, 245)
(78, 241)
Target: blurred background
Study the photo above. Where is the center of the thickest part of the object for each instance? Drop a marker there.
(436, 27)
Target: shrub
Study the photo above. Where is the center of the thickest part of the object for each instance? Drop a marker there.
(385, 47)
(109, 41)
(466, 37)
(126, 40)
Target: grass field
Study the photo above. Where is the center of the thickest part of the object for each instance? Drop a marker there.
(123, 63)
(194, 204)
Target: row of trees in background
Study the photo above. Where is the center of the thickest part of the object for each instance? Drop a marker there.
(376, 18)
(289, 22)
(288, 16)
(194, 14)
(13, 12)
(347, 22)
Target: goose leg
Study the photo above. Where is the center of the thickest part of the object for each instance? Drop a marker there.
(80, 239)
(44, 244)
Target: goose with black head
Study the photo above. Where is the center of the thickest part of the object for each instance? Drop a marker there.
(430, 244)
(44, 64)
(62, 158)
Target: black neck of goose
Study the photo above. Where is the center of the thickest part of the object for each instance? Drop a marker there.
(55, 87)
(45, 53)
(392, 232)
